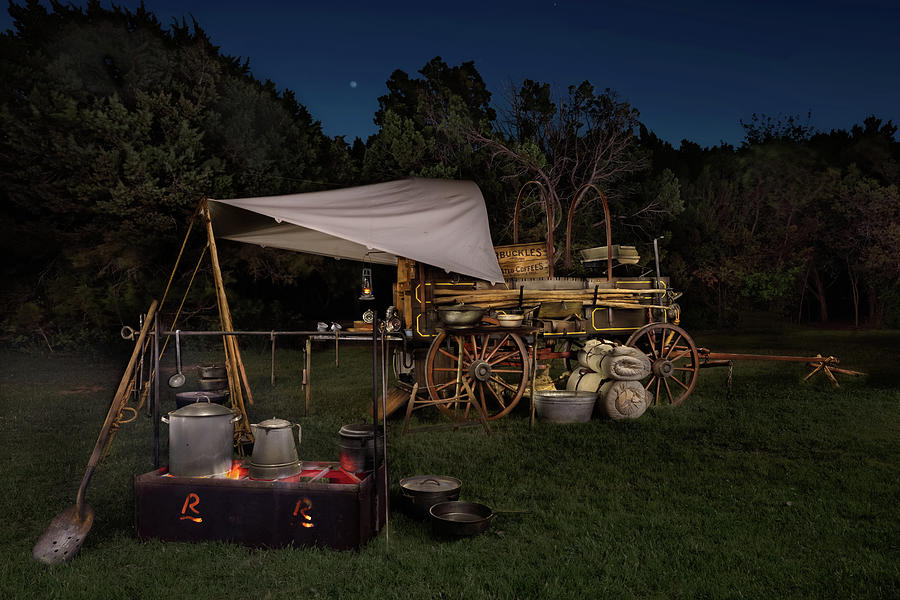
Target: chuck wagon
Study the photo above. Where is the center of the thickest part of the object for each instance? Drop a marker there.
(472, 315)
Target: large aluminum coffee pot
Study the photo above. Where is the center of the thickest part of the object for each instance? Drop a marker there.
(274, 453)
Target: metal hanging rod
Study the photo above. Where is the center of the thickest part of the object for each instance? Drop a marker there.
(324, 335)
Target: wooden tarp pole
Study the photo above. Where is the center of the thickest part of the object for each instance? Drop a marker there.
(236, 372)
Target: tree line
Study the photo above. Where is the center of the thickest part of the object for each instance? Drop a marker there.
(113, 126)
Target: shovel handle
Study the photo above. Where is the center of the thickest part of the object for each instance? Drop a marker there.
(114, 408)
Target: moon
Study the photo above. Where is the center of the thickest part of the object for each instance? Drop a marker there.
(353, 84)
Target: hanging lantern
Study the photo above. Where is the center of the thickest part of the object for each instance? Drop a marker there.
(366, 284)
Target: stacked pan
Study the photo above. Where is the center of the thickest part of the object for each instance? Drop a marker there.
(211, 378)
(212, 384)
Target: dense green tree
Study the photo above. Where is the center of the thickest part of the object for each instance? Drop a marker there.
(415, 138)
(113, 129)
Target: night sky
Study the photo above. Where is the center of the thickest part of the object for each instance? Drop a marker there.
(693, 69)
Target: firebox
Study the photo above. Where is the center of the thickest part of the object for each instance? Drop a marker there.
(321, 506)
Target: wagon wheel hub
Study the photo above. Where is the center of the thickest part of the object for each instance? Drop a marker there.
(480, 370)
(663, 368)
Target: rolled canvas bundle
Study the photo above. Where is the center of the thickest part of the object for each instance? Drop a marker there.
(624, 399)
(593, 353)
(624, 363)
(584, 380)
(615, 372)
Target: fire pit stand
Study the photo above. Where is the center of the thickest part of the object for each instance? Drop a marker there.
(322, 506)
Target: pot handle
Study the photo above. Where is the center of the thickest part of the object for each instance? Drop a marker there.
(237, 418)
(299, 433)
(165, 419)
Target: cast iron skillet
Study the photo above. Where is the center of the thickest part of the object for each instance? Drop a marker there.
(460, 519)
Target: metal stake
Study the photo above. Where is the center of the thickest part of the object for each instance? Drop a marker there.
(381, 331)
(375, 507)
(154, 412)
(272, 337)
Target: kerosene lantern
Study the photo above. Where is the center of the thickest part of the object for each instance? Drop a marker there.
(366, 284)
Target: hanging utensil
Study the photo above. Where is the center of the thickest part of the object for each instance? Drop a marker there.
(66, 532)
(177, 380)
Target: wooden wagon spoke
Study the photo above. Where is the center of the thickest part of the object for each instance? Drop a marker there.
(682, 354)
(498, 396)
(470, 352)
(668, 390)
(678, 381)
(482, 350)
(448, 354)
(671, 348)
(497, 347)
(499, 381)
(503, 357)
(476, 352)
(443, 386)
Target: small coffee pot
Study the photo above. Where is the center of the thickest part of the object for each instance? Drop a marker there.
(274, 454)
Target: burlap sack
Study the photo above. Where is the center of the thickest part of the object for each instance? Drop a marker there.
(625, 363)
(623, 399)
(592, 354)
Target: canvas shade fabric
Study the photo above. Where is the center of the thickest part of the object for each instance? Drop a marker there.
(439, 222)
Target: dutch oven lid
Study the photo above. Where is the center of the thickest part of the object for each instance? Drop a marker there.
(274, 423)
(426, 484)
(358, 430)
(201, 396)
(201, 408)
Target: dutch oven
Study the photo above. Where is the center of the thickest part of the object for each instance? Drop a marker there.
(211, 371)
(200, 439)
(185, 398)
(421, 492)
(210, 384)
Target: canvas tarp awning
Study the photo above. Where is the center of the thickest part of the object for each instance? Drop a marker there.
(435, 221)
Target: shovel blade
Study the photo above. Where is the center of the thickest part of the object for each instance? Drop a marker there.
(64, 535)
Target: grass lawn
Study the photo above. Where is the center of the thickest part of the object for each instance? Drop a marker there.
(773, 489)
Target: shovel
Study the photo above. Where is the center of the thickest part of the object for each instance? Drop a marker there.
(67, 530)
(177, 380)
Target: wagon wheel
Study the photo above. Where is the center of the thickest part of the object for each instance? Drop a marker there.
(572, 346)
(673, 361)
(494, 364)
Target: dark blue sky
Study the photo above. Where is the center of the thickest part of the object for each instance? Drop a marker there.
(693, 69)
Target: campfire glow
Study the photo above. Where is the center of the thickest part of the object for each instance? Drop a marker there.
(236, 471)
(303, 505)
